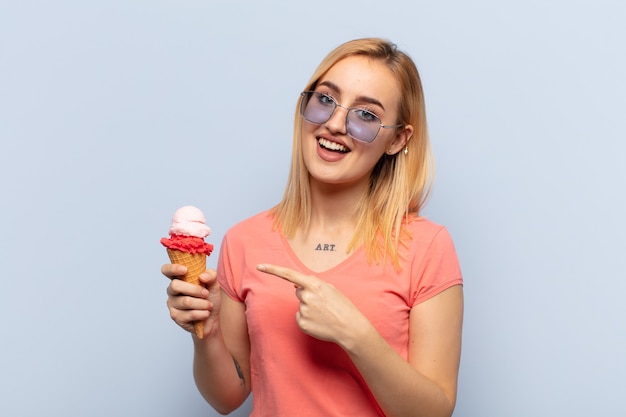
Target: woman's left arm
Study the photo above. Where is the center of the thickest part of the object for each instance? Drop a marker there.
(426, 385)
(423, 386)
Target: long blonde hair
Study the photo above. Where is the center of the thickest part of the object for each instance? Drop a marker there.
(399, 184)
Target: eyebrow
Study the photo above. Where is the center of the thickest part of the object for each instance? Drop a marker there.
(364, 99)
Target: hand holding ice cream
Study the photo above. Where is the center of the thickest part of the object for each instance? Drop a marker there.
(186, 246)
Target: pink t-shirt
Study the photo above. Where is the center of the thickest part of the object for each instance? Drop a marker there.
(294, 374)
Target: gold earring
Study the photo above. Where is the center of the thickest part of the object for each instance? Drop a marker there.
(406, 150)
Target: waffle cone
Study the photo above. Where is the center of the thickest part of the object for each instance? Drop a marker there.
(196, 264)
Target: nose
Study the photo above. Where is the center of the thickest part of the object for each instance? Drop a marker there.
(338, 120)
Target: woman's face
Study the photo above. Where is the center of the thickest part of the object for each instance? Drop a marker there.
(330, 154)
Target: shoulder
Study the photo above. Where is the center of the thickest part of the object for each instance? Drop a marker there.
(423, 231)
(253, 230)
(427, 241)
(260, 221)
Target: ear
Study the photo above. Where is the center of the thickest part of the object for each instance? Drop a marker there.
(401, 140)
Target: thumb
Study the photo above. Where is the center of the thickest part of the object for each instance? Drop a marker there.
(208, 278)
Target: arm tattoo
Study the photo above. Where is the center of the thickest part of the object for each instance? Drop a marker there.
(239, 372)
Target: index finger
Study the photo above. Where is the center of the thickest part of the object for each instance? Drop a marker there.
(286, 274)
(173, 271)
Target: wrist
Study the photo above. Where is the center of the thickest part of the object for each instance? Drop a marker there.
(359, 337)
(211, 331)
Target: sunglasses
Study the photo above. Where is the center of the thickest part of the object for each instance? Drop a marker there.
(361, 124)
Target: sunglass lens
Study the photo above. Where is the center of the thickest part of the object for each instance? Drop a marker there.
(361, 130)
(315, 108)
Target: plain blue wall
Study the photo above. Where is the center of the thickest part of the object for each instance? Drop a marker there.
(114, 113)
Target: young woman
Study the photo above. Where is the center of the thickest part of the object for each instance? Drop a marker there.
(341, 300)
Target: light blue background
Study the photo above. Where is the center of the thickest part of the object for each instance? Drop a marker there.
(114, 113)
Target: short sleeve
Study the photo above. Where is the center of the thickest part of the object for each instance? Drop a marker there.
(228, 279)
(437, 269)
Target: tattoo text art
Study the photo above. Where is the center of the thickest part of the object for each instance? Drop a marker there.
(326, 247)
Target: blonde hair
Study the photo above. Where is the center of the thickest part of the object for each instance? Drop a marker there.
(399, 184)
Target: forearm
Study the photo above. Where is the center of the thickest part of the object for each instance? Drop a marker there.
(218, 376)
(399, 388)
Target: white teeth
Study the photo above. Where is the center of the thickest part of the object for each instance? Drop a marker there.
(333, 146)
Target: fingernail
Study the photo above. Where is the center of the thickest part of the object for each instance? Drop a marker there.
(260, 267)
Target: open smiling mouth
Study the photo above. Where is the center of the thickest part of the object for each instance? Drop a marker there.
(332, 146)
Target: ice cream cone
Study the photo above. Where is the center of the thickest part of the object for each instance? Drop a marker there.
(196, 264)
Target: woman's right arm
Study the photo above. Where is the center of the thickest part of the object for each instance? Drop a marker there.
(222, 357)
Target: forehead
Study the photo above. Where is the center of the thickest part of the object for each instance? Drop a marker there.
(362, 76)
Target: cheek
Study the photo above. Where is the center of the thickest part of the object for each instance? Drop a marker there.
(308, 142)
(308, 135)
(368, 156)
(381, 145)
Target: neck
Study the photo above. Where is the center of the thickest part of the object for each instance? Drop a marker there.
(334, 207)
